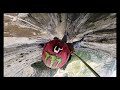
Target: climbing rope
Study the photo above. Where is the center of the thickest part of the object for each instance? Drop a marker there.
(93, 71)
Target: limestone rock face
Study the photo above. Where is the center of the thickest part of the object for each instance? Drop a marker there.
(23, 33)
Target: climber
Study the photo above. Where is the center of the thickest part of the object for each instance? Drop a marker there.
(57, 52)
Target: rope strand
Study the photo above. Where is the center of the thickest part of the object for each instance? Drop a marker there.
(97, 75)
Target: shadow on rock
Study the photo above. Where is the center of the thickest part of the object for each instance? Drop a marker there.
(41, 70)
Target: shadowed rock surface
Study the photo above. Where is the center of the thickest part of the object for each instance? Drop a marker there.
(23, 33)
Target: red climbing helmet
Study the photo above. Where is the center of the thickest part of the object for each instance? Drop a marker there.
(55, 53)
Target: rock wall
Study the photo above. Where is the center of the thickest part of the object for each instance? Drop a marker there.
(20, 55)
